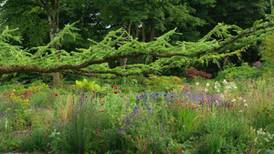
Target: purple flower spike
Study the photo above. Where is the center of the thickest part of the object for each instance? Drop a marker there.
(135, 110)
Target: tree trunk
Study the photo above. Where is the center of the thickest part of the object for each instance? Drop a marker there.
(123, 61)
(129, 28)
(152, 32)
(143, 33)
(271, 6)
(53, 20)
(137, 32)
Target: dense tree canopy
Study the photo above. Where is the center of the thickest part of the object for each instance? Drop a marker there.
(143, 19)
(242, 13)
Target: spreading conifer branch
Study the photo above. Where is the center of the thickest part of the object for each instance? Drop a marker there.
(217, 44)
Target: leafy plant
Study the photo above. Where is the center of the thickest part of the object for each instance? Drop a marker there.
(89, 86)
(267, 52)
(241, 73)
(162, 83)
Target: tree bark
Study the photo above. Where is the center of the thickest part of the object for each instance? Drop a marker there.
(53, 20)
(137, 32)
(123, 61)
(143, 33)
(129, 28)
(271, 6)
(152, 32)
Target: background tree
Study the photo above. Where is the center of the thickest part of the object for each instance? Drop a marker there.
(42, 11)
(28, 17)
(39, 21)
(239, 12)
(146, 19)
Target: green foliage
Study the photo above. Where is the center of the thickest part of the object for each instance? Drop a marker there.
(166, 83)
(119, 44)
(239, 12)
(268, 52)
(224, 133)
(143, 19)
(16, 116)
(89, 86)
(184, 123)
(146, 133)
(264, 118)
(148, 17)
(88, 130)
(41, 99)
(28, 17)
(264, 140)
(37, 118)
(37, 141)
(241, 73)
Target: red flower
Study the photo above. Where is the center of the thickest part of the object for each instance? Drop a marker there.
(115, 89)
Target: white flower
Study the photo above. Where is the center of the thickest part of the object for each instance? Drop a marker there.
(207, 84)
(233, 100)
(260, 132)
(245, 105)
(197, 83)
(244, 100)
(225, 82)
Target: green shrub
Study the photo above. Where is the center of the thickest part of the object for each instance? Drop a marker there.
(87, 85)
(162, 83)
(268, 52)
(242, 72)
